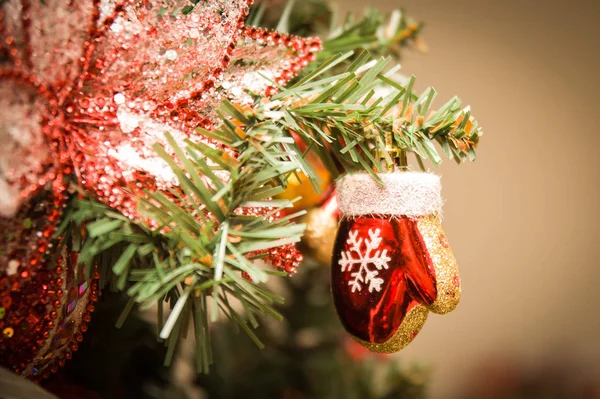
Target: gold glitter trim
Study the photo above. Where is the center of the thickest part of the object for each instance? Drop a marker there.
(411, 325)
(446, 268)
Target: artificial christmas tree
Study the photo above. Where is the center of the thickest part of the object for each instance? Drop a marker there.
(167, 128)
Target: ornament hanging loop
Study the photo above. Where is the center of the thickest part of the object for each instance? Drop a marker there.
(397, 155)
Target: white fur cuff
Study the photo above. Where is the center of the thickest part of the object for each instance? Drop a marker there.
(403, 193)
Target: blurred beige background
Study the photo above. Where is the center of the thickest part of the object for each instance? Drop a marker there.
(523, 220)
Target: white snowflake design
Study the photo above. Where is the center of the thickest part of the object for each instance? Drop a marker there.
(364, 274)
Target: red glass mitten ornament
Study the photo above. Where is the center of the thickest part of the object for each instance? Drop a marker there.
(391, 261)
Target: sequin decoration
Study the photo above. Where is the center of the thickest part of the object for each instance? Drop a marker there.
(46, 305)
(286, 257)
(96, 83)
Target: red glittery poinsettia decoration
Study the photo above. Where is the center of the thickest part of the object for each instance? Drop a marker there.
(86, 89)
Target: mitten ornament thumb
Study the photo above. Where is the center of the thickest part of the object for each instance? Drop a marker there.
(391, 261)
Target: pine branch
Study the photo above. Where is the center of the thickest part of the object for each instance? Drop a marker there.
(381, 33)
(195, 259)
(350, 127)
(374, 32)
